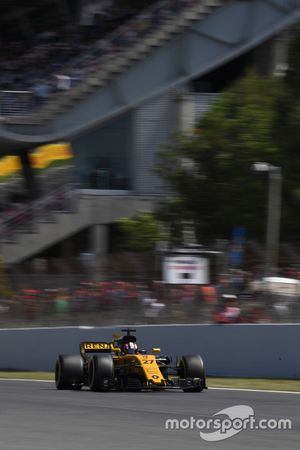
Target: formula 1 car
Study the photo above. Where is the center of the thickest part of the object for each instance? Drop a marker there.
(119, 365)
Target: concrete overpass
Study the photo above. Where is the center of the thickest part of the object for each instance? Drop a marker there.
(92, 211)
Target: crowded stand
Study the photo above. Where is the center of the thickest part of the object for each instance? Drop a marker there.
(58, 50)
(107, 302)
(50, 47)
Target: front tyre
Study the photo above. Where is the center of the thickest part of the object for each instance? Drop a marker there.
(192, 367)
(69, 372)
(101, 372)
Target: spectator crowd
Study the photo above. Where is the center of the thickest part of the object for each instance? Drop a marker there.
(66, 50)
(232, 300)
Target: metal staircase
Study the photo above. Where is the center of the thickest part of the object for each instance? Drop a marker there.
(39, 226)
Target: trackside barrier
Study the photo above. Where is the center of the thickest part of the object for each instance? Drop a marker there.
(270, 351)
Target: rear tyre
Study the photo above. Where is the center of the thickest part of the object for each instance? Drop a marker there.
(69, 372)
(192, 366)
(101, 372)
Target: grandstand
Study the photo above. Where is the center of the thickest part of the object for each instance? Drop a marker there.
(115, 79)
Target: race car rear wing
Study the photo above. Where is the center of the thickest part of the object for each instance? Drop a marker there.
(97, 347)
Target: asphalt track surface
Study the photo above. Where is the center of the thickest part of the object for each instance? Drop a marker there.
(35, 416)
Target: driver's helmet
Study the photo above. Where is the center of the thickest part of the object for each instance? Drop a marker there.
(130, 348)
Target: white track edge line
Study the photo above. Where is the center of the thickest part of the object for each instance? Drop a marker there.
(252, 390)
(209, 388)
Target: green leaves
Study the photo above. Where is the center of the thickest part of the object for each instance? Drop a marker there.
(217, 189)
(141, 232)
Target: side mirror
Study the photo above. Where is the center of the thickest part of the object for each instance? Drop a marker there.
(156, 350)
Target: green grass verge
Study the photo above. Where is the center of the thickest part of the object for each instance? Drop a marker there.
(245, 383)
(28, 375)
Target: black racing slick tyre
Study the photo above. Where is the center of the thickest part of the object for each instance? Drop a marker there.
(69, 372)
(192, 366)
(101, 372)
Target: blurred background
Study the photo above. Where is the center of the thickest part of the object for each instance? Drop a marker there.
(149, 162)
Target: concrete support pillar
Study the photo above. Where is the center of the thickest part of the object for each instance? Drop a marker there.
(281, 53)
(68, 248)
(99, 245)
(29, 175)
(270, 58)
(186, 115)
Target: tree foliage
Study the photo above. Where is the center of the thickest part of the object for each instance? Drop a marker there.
(210, 170)
(141, 232)
(287, 133)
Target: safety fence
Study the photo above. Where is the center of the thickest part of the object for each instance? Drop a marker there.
(78, 299)
(16, 103)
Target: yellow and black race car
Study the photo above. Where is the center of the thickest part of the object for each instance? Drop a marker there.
(120, 365)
